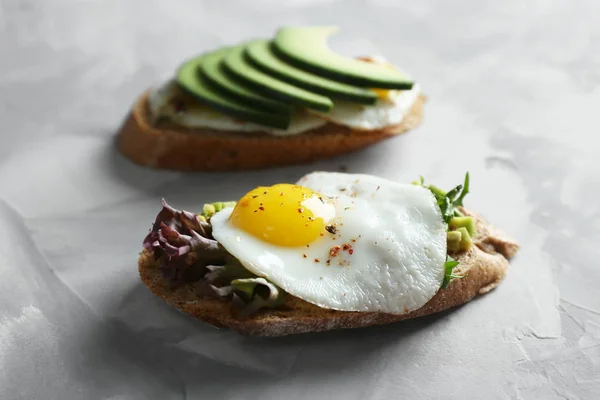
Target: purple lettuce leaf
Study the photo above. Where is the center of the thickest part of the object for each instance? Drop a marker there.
(183, 244)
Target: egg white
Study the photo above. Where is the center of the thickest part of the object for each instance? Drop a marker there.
(398, 243)
(200, 116)
(386, 112)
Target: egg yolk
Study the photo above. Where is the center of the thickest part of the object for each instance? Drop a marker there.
(284, 214)
(383, 94)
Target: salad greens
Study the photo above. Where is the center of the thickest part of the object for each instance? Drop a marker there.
(460, 229)
(182, 244)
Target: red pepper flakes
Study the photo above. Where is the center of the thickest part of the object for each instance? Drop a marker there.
(317, 260)
(350, 251)
(261, 208)
(304, 255)
(300, 210)
(346, 246)
(333, 252)
(328, 262)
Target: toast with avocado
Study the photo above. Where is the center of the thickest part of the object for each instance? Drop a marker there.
(269, 102)
(333, 251)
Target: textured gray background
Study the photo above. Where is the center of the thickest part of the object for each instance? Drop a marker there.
(514, 90)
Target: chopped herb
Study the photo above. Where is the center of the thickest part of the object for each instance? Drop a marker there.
(448, 203)
(448, 267)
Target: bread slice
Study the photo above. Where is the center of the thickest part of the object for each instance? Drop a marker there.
(483, 266)
(170, 146)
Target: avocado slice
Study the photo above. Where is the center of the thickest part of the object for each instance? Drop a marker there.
(463, 222)
(259, 53)
(453, 239)
(466, 242)
(192, 81)
(306, 47)
(210, 65)
(237, 66)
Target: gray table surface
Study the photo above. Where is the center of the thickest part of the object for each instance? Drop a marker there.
(514, 97)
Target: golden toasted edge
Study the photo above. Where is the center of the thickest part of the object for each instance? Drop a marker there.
(484, 266)
(178, 148)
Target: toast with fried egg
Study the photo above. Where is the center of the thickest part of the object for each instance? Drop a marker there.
(269, 102)
(474, 271)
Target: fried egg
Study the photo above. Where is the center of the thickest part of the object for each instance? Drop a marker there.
(348, 242)
(390, 110)
(168, 100)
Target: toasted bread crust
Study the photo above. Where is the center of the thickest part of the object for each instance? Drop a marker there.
(169, 146)
(484, 266)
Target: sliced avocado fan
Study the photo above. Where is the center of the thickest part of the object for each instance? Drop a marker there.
(211, 66)
(306, 47)
(191, 80)
(260, 54)
(238, 67)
